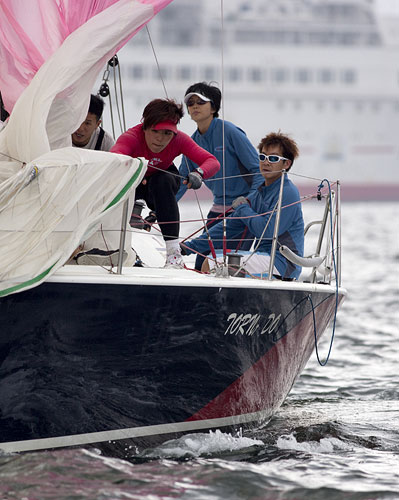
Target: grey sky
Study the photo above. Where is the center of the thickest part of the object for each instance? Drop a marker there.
(388, 6)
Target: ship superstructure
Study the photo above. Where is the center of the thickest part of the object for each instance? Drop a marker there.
(324, 71)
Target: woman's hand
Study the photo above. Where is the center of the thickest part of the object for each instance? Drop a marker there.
(193, 180)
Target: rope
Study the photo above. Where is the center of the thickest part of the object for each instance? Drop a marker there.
(115, 62)
(172, 173)
(121, 94)
(224, 177)
(323, 363)
(210, 242)
(156, 60)
(111, 111)
(261, 237)
(250, 174)
(12, 158)
(222, 215)
(223, 138)
(205, 225)
(105, 88)
(304, 198)
(306, 177)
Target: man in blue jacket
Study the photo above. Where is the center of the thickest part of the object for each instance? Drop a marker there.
(239, 172)
(277, 152)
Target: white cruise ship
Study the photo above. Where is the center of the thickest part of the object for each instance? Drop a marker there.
(324, 71)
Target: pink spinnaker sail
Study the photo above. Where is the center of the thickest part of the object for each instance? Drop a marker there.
(53, 197)
(51, 53)
(32, 30)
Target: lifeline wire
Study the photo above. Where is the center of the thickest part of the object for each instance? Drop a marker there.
(223, 136)
(223, 152)
(259, 239)
(323, 363)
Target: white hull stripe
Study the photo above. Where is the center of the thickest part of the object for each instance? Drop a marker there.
(134, 432)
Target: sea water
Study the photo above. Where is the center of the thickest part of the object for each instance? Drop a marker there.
(335, 437)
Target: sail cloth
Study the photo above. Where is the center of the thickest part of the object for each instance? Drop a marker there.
(32, 30)
(43, 199)
(55, 103)
(64, 199)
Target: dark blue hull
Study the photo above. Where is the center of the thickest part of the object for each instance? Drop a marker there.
(78, 359)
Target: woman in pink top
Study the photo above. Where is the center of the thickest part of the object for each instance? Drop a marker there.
(158, 140)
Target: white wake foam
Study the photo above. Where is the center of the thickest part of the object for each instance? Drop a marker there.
(326, 445)
(195, 445)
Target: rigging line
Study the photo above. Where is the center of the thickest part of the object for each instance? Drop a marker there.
(104, 92)
(263, 213)
(122, 101)
(302, 200)
(264, 230)
(251, 174)
(221, 215)
(323, 363)
(111, 112)
(116, 93)
(205, 226)
(306, 177)
(206, 229)
(198, 202)
(111, 109)
(167, 96)
(106, 244)
(214, 259)
(208, 180)
(234, 176)
(12, 158)
(230, 176)
(271, 213)
(259, 239)
(231, 239)
(156, 60)
(223, 138)
(209, 221)
(153, 226)
(167, 172)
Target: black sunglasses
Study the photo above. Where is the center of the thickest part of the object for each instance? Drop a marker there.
(200, 102)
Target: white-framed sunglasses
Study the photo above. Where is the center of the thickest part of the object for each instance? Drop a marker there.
(271, 158)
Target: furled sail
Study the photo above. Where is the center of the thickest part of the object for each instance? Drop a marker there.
(56, 72)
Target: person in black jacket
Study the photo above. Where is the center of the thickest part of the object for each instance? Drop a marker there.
(3, 112)
(90, 134)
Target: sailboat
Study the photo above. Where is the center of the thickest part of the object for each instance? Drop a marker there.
(116, 355)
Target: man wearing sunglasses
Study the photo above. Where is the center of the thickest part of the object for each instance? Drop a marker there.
(239, 172)
(277, 153)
